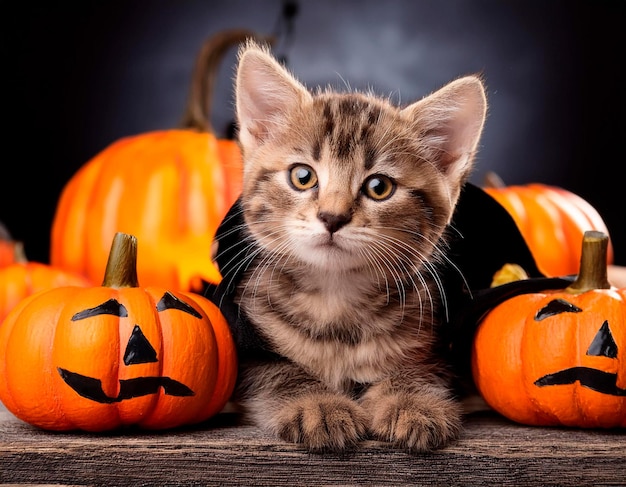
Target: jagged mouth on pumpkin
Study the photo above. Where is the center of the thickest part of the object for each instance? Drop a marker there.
(91, 388)
(597, 380)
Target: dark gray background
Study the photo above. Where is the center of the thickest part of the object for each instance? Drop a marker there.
(80, 75)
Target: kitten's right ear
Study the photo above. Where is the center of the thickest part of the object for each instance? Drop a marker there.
(265, 93)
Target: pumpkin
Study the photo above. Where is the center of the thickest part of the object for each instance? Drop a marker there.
(552, 221)
(118, 355)
(22, 277)
(558, 357)
(169, 188)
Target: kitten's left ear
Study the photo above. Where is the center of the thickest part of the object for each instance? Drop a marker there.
(450, 122)
(266, 93)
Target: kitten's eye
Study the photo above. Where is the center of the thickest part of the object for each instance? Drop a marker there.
(302, 177)
(378, 187)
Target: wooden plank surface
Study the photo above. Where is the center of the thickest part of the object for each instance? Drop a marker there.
(492, 451)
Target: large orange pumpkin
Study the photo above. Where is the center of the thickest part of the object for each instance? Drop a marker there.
(169, 188)
(558, 357)
(101, 358)
(552, 221)
(22, 277)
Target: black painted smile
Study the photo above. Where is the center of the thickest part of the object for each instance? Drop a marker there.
(141, 386)
(597, 380)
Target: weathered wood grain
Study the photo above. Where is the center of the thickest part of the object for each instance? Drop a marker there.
(492, 451)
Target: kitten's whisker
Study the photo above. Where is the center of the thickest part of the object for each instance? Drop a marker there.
(445, 258)
(390, 261)
(377, 267)
(416, 260)
(382, 262)
(268, 259)
(440, 254)
(239, 259)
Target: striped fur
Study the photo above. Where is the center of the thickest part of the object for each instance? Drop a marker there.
(342, 285)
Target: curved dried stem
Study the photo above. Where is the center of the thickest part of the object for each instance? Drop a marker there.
(197, 115)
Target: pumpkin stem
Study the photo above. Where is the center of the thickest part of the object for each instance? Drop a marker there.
(492, 180)
(19, 254)
(593, 264)
(198, 110)
(121, 269)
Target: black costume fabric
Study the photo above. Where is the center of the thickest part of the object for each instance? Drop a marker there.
(484, 237)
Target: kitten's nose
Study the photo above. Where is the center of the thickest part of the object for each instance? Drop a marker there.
(333, 221)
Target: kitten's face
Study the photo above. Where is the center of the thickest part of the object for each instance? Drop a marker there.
(346, 181)
(343, 186)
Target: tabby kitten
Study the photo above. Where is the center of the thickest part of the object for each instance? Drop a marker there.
(345, 203)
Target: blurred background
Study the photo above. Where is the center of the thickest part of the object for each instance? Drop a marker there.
(78, 76)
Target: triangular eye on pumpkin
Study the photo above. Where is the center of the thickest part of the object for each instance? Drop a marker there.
(102, 358)
(558, 357)
(603, 343)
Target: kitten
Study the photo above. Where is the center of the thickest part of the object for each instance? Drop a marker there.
(345, 205)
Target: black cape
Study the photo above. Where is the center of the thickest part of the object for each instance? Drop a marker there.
(484, 237)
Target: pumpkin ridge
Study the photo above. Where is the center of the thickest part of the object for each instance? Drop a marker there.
(58, 402)
(158, 397)
(539, 412)
(140, 300)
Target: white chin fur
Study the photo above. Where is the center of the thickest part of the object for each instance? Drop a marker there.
(332, 255)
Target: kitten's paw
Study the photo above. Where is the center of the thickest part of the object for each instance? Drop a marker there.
(416, 422)
(322, 422)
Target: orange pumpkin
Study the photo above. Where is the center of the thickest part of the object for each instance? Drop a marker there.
(169, 188)
(552, 221)
(101, 358)
(21, 278)
(558, 357)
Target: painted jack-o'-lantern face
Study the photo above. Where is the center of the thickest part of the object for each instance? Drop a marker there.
(563, 364)
(138, 350)
(105, 357)
(602, 345)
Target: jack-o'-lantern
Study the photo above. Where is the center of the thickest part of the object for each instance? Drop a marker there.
(100, 358)
(558, 357)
